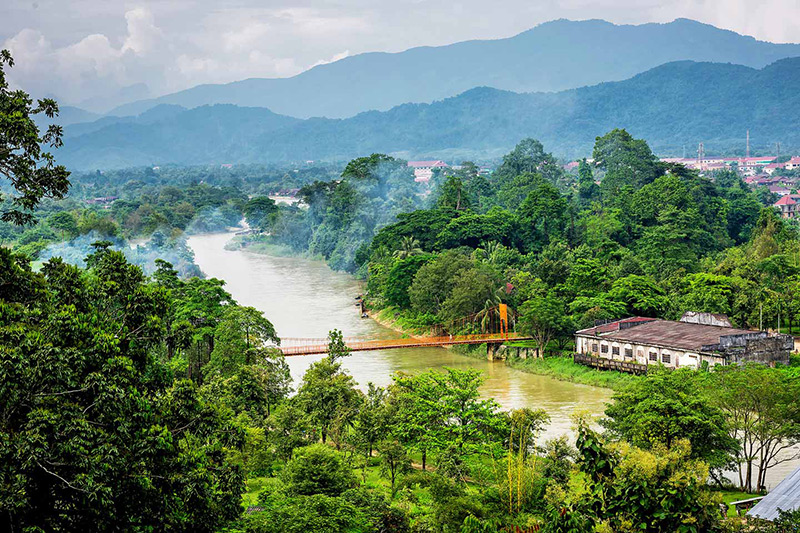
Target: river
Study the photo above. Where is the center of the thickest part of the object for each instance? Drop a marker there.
(305, 298)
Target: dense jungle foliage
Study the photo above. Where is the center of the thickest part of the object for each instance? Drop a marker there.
(155, 402)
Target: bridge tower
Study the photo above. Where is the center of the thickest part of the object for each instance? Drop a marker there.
(502, 310)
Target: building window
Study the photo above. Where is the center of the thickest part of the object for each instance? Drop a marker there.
(594, 348)
(604, 348)
(653, 356)
(665, 358)
(628, 352)
(615, 350)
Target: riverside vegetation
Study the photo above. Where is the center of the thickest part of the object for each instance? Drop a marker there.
(153, 403)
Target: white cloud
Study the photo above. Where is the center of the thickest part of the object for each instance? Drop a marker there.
(93, 51)
(143, 35)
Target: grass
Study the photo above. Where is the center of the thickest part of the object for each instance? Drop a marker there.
(732, 495)
(560, 367)
(254, 486)
(564, 369)
(399, 320)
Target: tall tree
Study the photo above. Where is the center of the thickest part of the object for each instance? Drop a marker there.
(664, 407)
(327, 393)
(96, 436)
(443, 412)
(626, 161)
(543, 318)
(760, 405)
(32, 171)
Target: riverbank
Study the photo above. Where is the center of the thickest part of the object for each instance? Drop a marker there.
(559, 367)
(393, 319)
(257, 245)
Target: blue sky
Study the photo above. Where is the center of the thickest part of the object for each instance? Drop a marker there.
(116, 50)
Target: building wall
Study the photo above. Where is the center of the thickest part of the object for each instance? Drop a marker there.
(644, 354)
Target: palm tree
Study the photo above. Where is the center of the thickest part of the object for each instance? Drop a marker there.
(409, 246)
(488, 251)
(489, 310)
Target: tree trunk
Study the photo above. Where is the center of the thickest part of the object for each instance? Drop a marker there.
(424, 458)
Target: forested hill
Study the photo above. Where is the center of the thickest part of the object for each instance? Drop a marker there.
(671, 106)
(554, 56)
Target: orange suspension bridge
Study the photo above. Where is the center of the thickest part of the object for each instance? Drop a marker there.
(494, 320)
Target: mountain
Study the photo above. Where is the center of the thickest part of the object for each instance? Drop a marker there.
(675, 105)
(553, 56)
(66, 115)
(169, 134)
(154, 114)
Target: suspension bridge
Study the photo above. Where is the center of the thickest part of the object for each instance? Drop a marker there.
(495, 318)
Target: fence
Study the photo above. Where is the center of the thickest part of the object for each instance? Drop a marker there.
(609, 364)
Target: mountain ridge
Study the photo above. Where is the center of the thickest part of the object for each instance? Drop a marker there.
(671, 106)
(552, 56)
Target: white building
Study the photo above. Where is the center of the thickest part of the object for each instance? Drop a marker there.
(423, 170)
(687, 343)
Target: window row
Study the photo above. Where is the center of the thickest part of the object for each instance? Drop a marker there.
(653, 356)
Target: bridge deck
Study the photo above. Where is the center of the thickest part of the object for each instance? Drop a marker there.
(359, 345)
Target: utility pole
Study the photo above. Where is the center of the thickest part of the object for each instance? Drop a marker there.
(701, 153)
(748, 145)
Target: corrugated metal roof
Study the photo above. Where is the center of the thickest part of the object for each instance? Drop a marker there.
(681, 335)
(614, 325)
(786, 496)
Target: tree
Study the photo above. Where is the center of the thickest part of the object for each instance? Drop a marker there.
(258, 388)
(372, 421)
(317, 469)
(394, 461)
(435, 280)
(470, 293)
(711, 293)
(472, 229)
(64, 222)
(32, 171)
(663, 407)
(239, 336)
(409, 247)
(400, 277)
(258, 211)
(290, 428)
(542, 217)
(542, 318)
(201, 303)
(328, 394)
(640, 294)
(96, 434)
(527, 157)
(761, 411)
(442, 412)
(588, 191)
(451, 194)
(630, 489)
(626, 161)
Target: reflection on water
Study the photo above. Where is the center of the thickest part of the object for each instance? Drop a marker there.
(304, 298)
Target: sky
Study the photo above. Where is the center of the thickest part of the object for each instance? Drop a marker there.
(100, 53)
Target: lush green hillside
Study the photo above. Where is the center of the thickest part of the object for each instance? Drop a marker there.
(554, 56)
(671, 106)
